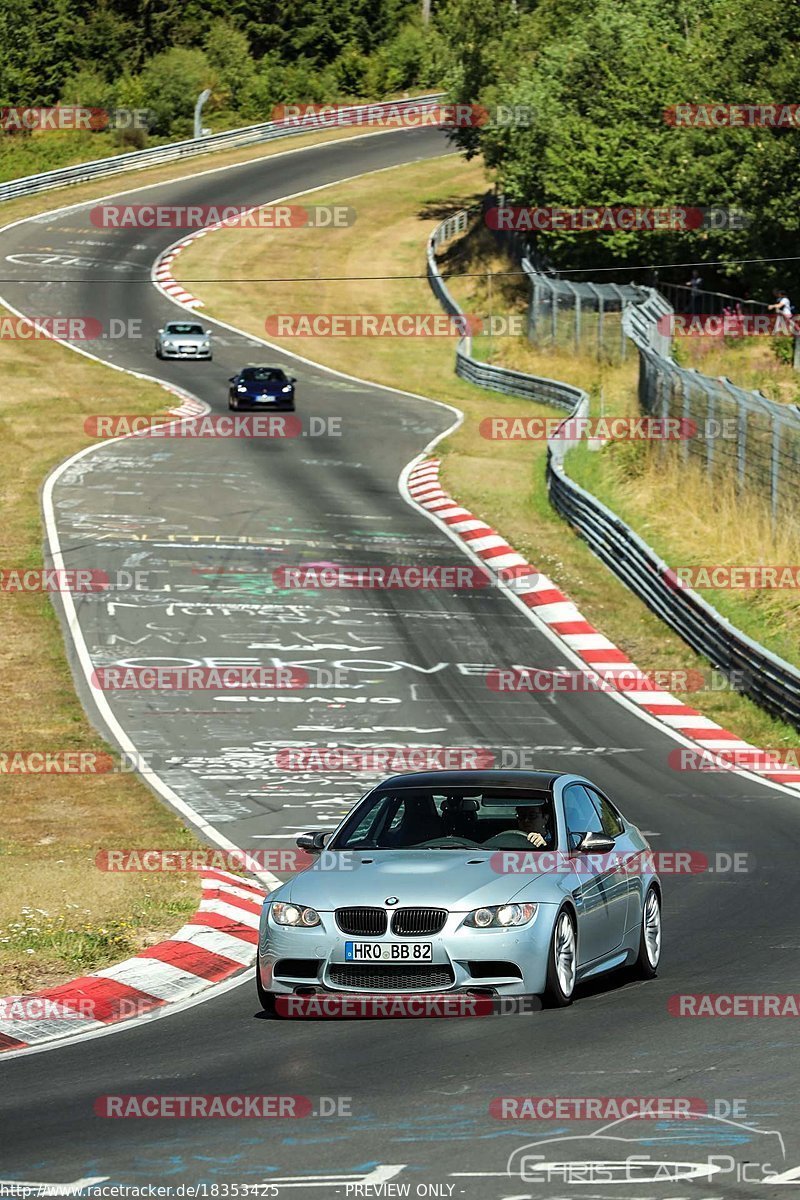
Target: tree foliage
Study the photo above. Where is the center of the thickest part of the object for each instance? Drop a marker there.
(597, 83)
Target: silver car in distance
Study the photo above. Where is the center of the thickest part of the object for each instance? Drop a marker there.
(497, 883)
(183, 339)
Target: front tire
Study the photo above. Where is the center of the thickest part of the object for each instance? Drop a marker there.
(562, 962)
(646, 966)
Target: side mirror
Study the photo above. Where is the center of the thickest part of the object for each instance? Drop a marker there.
(594, 843)
(209, 332)
(313, 843)
(292, 379)
(233, 379)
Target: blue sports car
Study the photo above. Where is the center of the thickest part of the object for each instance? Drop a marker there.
(263, 387)
(494, 883)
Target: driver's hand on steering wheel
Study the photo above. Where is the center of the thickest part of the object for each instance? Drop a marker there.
(536, 839)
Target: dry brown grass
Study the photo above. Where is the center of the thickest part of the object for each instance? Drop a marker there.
(54, 824)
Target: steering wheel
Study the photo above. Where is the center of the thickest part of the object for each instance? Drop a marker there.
(511, 839)
(443, 843)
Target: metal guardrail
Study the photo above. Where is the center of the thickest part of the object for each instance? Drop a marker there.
(770, 681)
(248, 135)
(483, 374)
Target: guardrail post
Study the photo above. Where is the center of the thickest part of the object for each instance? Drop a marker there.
(577, 321)
(533, 307)
(686, 409)
(741, 447)
(198, 112)
(708, 434)
(775, 468)
(600, 315)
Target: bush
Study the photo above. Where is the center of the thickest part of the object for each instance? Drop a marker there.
(783, 349)
(228, 53)
(170, 83)
(350, 72)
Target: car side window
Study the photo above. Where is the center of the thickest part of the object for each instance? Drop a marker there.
(581, 814)
(612, 824)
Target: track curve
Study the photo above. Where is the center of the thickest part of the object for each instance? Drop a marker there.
(419, 1091)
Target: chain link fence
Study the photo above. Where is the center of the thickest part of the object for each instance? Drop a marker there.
(739, 434)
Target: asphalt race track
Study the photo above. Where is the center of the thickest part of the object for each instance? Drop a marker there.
(186, 513)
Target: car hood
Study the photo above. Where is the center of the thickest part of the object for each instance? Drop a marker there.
(456, 880)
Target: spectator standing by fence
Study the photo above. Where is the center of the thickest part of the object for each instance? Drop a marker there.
(695, 283)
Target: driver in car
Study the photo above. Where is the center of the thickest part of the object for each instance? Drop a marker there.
(533, 823)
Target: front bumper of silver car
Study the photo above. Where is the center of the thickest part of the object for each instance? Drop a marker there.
(185, 352)
(501, 961)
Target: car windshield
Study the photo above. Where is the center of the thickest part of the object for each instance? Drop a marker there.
(453, 818)
(263, 375)
(185, 328)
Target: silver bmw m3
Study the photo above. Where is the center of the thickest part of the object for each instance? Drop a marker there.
(494, 883)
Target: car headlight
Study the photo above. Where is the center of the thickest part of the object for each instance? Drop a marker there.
(501, 916)
(288, 388)
(294, 914)
(169, 345)
(241, 388)
(205, 345)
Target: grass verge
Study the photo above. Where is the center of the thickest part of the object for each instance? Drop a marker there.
(60, 915)
(503, 482)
